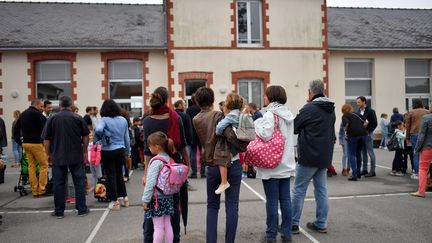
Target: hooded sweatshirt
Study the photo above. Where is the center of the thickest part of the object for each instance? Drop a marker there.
(264, 128)
(316, 132)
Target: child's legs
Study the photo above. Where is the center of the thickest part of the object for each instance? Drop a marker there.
(169, 235)
(223, 173)
(159, 229)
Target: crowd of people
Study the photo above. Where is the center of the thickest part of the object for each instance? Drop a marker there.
(207, 138)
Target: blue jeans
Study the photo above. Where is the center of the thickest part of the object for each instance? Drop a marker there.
(17, 151)
(355, 146)
(232, 195)
(192, 156)
(301, 182)
(368, 150)
(413, 139)
(277, 190)
(78, 176)
(345, 156)
(384, 135)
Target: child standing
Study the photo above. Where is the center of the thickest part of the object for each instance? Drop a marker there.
(232, 107)
(384, 123)
(160, 212)
(397, 161)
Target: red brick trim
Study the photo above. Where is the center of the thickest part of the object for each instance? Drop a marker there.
(1, 87)
(325, 47)
(236, 76)
(32, 58)
(194, 76)
(170, 54)
(265, 20)
(115, 55)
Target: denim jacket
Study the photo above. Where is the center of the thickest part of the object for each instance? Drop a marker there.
(113, 132)
(232, 118)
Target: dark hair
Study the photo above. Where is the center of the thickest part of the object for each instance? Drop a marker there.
(233, 101)
(276, 93)
(253, 106)
(362, 98)
(417, 103)
(47, 102)
(204, 97)
(383, 115)
(158, 98)
(89, 108)
(397, 123)
(395, 110)
(124, 113)
(178, 103)
(161, 139)
(110, 109)
(222, 103)
(136, 119)
(65, 101)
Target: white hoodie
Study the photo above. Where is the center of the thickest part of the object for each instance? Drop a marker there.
(264, 128)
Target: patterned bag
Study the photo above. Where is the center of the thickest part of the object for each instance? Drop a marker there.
(268, 154)
(95, 154)
(246, 129)
(171, 177)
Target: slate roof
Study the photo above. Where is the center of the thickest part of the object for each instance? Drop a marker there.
(75, 25)
(379, 29)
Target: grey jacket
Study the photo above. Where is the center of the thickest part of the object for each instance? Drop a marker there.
(424, 140)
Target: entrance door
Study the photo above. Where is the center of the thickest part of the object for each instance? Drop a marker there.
(191, 86)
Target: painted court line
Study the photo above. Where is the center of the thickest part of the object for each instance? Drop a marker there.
(310, 237)
(47, 211)
(98, 226)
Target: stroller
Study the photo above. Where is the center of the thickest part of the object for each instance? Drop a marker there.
(23, 180)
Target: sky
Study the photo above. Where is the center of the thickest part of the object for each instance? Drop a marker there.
(334, 3)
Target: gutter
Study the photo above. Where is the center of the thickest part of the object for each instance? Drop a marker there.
(378, 49)
(84, 48)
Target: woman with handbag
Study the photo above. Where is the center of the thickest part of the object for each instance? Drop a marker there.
(276, 181)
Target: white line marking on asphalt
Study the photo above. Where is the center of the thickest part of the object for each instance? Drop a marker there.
(384, 167)
(130, 173)
(310, 237)
(98, 226)
(47, 211)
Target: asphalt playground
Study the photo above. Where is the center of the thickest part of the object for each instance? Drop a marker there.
(377, 209)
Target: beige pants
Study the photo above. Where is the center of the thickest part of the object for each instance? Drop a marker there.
(36, 152)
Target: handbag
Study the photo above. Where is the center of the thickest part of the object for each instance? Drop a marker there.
(266, 154)
(246, 129)
(95, 154)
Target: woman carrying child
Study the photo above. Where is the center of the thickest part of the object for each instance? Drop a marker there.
(159, 211)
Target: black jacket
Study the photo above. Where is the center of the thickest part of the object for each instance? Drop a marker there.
(30, 125)
(187, 124)
(316, 133)
(3, 137)
(192, 111)
(370, 115)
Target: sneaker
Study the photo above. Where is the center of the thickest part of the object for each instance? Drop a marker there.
(265, 240)
(352, 178)
(222, 188)
(370, 174)
(286, 238)
(295, 230)
(85, 213)
(385, 148)
(365, 172)
(313, 227)
(72, 200)
(393, 173)
(58, 216)
(244, 174)
(414, 176)
(399, 174)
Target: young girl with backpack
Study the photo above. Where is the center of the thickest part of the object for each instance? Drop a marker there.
(400, 136)
(158, 206)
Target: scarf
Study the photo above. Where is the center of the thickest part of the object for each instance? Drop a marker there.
(173, 125)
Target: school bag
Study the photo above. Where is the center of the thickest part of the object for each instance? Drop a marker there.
(171, 176)
(392, 143)
(100, 190)
(266, 154)
(246, 129)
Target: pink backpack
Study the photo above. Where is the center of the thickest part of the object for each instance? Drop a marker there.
(171, 177)
(95, 154)
(268, 154)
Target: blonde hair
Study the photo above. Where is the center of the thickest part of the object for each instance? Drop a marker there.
(16, 114)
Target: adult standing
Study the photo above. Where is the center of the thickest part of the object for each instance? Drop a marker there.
(112, 130)
(216, 148)
(413, 123)
(370, 115)
(66, 139)
(424, 147)
(192, 111)
(355, 131)
(316, 137)
(166, 120)
(94, 117)
(30, 125)
(187, 122)
(16, 148)
(48, 108)
(276, 181)
(87, 117)
(396, 116)
(3, 144)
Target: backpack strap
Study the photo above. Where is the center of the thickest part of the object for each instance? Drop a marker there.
(161, 158)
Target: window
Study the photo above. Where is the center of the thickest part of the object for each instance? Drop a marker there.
(251, 90)
(53, 79)
(191, 86)
(126, 84)
(249, 23)
(417, 81)
(358, 80)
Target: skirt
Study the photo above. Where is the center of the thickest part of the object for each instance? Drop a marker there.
(165, 207)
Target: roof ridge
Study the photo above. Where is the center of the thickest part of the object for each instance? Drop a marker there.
(378, 8)
(83, 3)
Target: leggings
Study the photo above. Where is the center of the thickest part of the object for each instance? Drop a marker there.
(162, 227)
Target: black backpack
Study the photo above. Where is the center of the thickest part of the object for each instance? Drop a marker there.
(392, 143)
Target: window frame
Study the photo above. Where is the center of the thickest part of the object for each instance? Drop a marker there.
(249, 33)
(363, 79)
(428, 77)
(37, 82)
(249, 82)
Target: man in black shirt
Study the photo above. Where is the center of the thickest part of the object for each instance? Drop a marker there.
(30, 125)
(66, 138)
(87, 116)
(192, 111)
